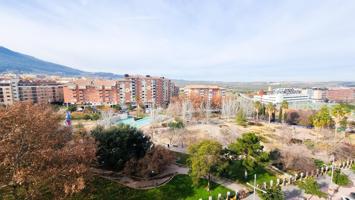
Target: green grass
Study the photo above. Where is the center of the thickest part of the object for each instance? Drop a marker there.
(180, 187)
(340, 178)
(235, 171)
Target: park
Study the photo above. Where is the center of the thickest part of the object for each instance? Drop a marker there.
(234, 149)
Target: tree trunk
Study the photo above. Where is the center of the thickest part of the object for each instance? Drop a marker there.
(269, 118)
(257, 116)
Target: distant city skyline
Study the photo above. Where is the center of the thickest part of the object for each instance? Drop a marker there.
(242, 40)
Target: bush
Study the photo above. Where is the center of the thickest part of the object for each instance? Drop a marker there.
(85, 116)
(241, 119)
(72, 108)
(119, 144)
(176, 124)
(340, 178)
(274, 193)
(154, 162)
(318, 163)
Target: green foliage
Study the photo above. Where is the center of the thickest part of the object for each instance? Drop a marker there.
(85, 116)
(180, 187)
(240, 118)
(119, 144)
(340, 178)
(274, 193)
(353, 167)
(250, 148)
(318, 163)
(181, 158)
(117, 107)
(310, 186)
(322, 118)
(72, 108)
(236, 171)
(129, 106)
(176, 124)
(204, 156)
(339, 112)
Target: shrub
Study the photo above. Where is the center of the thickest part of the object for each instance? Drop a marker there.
(318, 163)
(72, 108)
(241, 119)
(176, 124)
(340, 178)
(118, 144)
(154, 162)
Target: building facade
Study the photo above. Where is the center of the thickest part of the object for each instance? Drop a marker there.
(33, 91)
(341, 95)
(207, 92)
(277, 96)
(135, 90)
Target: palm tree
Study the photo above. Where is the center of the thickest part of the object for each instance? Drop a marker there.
(283, 107)
(270, 109)
(257, 106)
(339, 112)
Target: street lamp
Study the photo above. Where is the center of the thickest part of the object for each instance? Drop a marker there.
(255, 188)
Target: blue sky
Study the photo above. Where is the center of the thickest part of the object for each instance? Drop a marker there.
(235, 40)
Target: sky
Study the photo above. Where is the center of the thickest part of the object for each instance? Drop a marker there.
(220, 40)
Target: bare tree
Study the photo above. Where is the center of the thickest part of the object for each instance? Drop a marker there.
(229, 107)
(297, 157)
(187, 110)
(107, 118)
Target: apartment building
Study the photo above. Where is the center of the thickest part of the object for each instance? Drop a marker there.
(144, 90)
(6, 97)
(33, 91)
(207, 92)
(341, 95)
(315, 94)
(94, 92)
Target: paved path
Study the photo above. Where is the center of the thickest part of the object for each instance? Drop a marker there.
(229, 184)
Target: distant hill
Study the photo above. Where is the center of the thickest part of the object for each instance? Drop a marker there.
(11, 61)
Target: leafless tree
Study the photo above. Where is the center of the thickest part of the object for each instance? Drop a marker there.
(107, 118)
(297, 157)
(229, 107)
(187, 110)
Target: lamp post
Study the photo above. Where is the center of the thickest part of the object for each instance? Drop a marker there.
(255, 188)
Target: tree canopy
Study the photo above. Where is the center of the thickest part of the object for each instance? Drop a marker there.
(322, 118)
(118, 144)
(250, 148)
(204, 156)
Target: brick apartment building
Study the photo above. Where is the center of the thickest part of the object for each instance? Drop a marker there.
(207, 92)
(34, 91)
(147, 90)
(341, 95)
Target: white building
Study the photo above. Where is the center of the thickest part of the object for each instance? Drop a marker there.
(277, 96)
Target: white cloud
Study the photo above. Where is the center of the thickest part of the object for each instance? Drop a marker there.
(218, 40)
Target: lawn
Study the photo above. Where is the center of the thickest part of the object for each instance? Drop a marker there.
(235, 171)
(180, 187)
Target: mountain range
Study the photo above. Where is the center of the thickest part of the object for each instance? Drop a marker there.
(15, 62)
